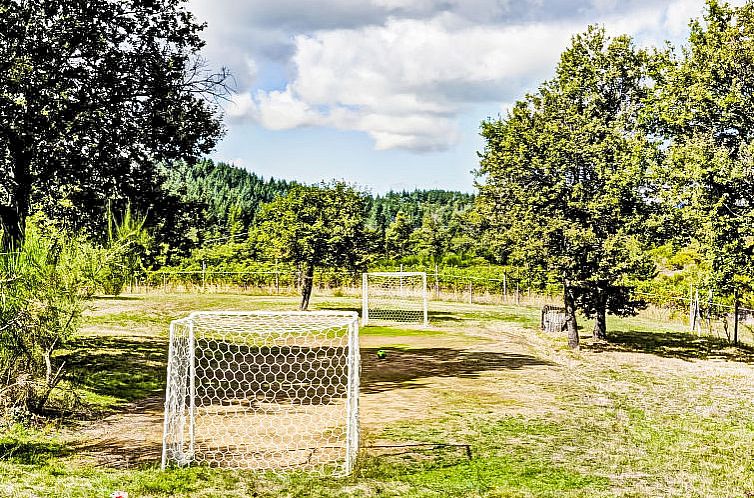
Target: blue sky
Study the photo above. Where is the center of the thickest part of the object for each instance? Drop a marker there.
(389, 94)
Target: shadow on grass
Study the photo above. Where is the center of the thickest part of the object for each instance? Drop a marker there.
(122, 368)
(673, 345)
(401, 368)
(410, 317)
(31, 452)
(117, 298)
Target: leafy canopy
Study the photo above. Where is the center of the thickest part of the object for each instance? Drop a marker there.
(92, 96)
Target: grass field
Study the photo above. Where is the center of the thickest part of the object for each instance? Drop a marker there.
(655, 412)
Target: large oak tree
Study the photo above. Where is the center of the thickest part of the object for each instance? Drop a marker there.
(563, 178)
(93, 94)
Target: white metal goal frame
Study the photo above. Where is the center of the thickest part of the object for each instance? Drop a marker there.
(394, 297)
(263, 390)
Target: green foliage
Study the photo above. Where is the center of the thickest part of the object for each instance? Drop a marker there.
(44, 285)
(92, 95)
(564, 175)
(705, 112)
(432, 238)
(317, 226)
(127, 243)
(398, 236)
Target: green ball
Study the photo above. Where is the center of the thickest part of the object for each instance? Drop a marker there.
(381, 354)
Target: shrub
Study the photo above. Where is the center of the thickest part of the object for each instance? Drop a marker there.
(42, 289)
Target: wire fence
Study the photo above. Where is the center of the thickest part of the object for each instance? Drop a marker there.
(442, 286)
(699, 316)
(703, 316)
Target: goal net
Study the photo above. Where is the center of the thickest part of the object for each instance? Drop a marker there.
(394, 297)
(263, 390)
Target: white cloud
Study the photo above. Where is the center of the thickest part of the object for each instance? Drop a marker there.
(404, 71)
(403, 83)
(278, 110)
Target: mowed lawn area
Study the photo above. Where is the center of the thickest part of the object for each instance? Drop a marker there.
(655, 412)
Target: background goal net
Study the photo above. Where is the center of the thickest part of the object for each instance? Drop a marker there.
(394, 297)
(263, 390)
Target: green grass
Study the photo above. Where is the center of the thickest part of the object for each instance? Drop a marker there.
(654, 412)
(374, 330)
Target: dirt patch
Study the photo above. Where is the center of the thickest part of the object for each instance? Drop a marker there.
(123, 440)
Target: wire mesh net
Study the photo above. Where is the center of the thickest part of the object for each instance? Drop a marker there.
(394, 297)
(553, 319)
(263, 390)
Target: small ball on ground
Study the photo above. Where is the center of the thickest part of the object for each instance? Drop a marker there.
(381, 354)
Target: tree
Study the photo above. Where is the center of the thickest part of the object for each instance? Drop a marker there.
(92, 96)
(315, 226)
(705, 113)
(432, 238)
(398, 236)
(564, 185)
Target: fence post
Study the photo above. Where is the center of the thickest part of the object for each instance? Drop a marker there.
(471, 289)
(437, 283)
(204, 276)
(735, 317)
(505, 290)
(518, 296)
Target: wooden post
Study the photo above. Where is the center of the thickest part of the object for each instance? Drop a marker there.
(691, 307)
(735, 317)
(277, 277)
(471, 289)
(204, 276)
(518, 296)
(437, 282)
(505, 289)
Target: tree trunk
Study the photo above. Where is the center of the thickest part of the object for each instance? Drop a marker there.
(12, 224)
(600, 321)
(306, 288)
(570, 315)
(13, 216)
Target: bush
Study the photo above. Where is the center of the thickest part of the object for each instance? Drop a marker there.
(127, 243)
(42, 289)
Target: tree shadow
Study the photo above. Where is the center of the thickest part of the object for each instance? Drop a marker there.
(411, 317)
(240, 380)
(125, 368)
(401, 368)
(679, 345)
(116, 298)
(129, 448)
(31, 452)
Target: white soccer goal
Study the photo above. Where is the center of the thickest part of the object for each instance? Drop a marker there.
(394, 297)
(263, 390)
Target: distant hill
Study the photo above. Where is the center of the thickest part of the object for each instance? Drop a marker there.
(416, 204)
(226, 198)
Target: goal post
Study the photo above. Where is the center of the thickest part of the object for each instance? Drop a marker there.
(394, 297)
(263, 390)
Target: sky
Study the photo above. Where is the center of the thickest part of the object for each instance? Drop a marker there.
(390, 94)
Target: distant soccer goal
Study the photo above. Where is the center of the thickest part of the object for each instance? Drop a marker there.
(394, 297)
(263, 390)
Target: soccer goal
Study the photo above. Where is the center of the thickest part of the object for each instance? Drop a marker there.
(394, 297)
(263, 390)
